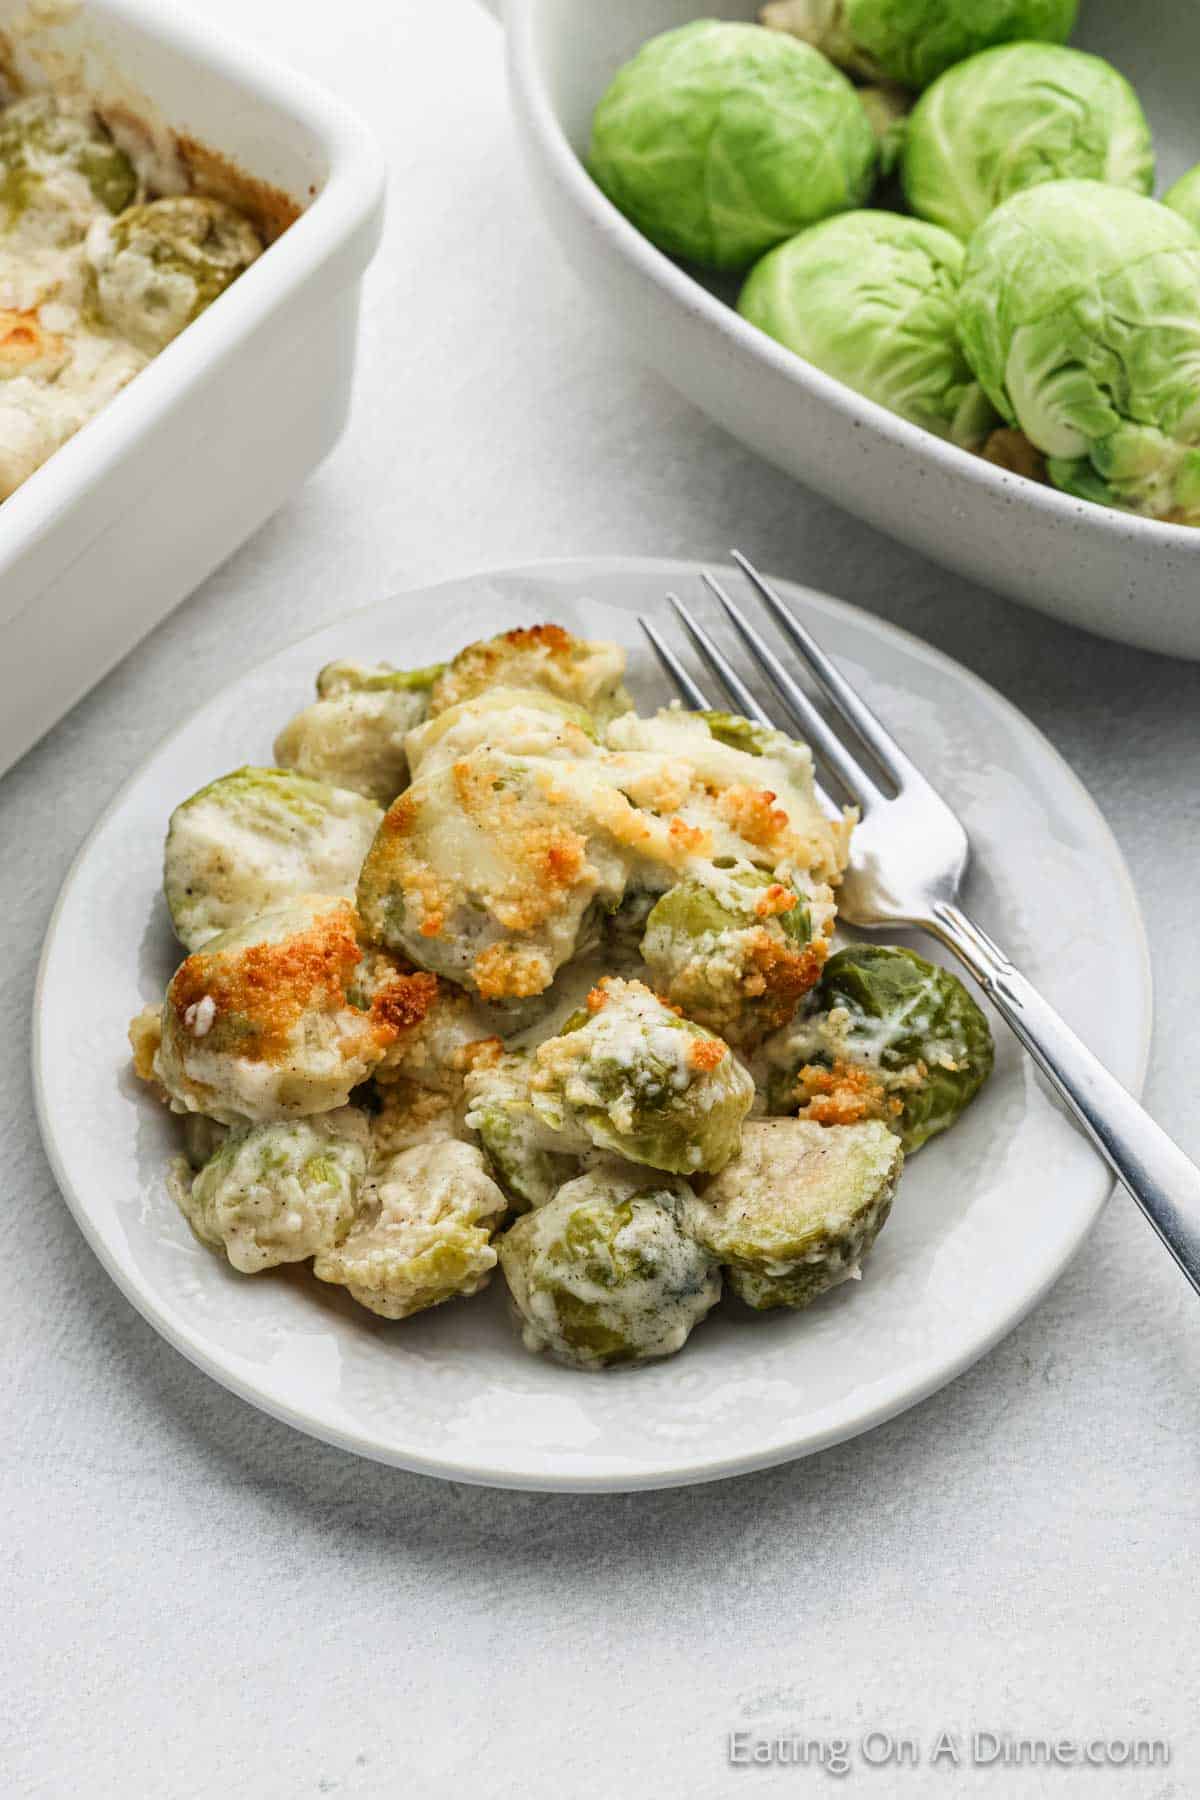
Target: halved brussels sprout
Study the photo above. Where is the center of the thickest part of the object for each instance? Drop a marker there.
(605, 1273)
(1080, 314)
(635, 1078)
(442, 1045)
(871, 298)
(734, 949)
(797, 1210)
(1184, 197)
(889, 1036)
(424, 1234)
(159, 265)
(255, 839)
(726, 787)
(524, 1152)
(520, 721)
(263, 1023)
(490, 871)
(719, 140)
(282, 1192)
(1014, 117)
(913, 41)
(57, 165)
(353, 735)
(545, 657)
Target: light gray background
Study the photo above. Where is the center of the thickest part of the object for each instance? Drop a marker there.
(195, 1600)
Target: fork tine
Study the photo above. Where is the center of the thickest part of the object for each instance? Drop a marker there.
(825, 743)
(855, 711)
(694, 696)
(720, 665)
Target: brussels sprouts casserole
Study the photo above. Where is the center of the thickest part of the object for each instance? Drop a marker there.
(102, 264)
(490, 971)
(945, 207)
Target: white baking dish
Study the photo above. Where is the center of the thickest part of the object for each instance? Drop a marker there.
(124, 520)
(1131, 579)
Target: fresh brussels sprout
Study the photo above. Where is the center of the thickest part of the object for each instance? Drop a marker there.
(424, 1234)
(57, 166)
(263, 1022)
(281, 1192)
(520, 721)
(543, 657)
(633, 1077)
(1080, 314)
(734, 949)
(719, 140)
(871, 298)
(797, 1210)
(1184, 197)
(353, 735)
(255, 839)
(490, 871)
(158, 265)
(605, 1273)
(1016, 116)
(524, 1152)
(889, 1036)
(913, 41)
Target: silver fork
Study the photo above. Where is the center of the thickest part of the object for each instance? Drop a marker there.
(909, 857)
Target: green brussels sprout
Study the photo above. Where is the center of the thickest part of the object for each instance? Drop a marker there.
(253, 840)
(345, 677)
(889, 1035)
(159, 265)
(871, 298)
(524, 1153)
(605, 1273)
(493, 871)
(1080, 314)
(749, 792)
(887, 108)
(546, 658)
(1016, 116)
(424, 1234)
(914, 41)
(1184, 197)
(797, 1210)
(265, 1023)
(734, 949)
(57, 165)
(719, 140)
(641, 1081)
(520, 721)
(281, 1192)
(353, 735)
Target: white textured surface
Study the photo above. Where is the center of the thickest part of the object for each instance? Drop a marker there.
(199, 1602)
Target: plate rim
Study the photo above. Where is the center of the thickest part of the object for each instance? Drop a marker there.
(867, 1417)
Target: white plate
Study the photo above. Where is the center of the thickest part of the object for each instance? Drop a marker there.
(1132, 579)
(985, 1221)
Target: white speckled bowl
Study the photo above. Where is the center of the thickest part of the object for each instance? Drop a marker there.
(985, 1219)
(1127, 578)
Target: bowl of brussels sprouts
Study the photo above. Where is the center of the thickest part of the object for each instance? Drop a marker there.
(912, 254)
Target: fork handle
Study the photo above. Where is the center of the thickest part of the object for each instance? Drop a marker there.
(1163, 1181)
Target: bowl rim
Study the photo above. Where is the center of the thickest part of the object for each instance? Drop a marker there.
(348, 202)
(531, 94)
